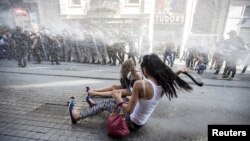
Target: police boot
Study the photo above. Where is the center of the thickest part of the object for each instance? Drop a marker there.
(24, 64)
(225, 76)
(217, 72)
(104, 62)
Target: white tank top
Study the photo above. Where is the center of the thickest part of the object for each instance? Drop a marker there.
(144, 108)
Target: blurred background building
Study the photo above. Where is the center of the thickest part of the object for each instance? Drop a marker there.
(152, 21)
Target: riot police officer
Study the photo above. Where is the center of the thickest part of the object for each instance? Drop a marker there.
(21, 46)
(54, 49)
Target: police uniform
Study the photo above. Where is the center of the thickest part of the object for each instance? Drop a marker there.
(54, 48)
(21, 47)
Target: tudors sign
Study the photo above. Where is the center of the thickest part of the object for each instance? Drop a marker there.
(168, 19)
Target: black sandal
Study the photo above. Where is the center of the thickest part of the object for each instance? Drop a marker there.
(70, 99)
(88, 98)
(71, 106)
(87, 89)
(90, 101)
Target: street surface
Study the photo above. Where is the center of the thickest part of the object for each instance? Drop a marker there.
(33, 104)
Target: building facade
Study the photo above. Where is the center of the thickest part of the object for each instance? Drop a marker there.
(157, 21)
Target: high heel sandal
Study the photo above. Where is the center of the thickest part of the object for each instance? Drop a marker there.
(71, 106)
(90, 101)
(88, 98)
(71, 99)
(87, 89)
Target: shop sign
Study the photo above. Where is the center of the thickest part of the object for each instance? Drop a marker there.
(168, 19)
(20, 11)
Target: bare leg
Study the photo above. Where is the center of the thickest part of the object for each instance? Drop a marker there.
(104, 94)
(108, 93)
(108, 88)
(102, 91)
(125, 92)
(76, 114)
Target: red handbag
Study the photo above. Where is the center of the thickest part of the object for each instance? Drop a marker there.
(117, 125)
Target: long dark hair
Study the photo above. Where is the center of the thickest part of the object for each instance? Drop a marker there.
(164, 75)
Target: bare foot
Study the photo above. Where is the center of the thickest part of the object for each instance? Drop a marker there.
(76, 114)
(91, 92)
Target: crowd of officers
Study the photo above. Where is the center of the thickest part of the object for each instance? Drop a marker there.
(196, 59)
(169, 53)
(228, 51)
(24, 45)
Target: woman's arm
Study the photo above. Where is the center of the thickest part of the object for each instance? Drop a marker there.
(129, 107)
(179, 71)
(138, 75)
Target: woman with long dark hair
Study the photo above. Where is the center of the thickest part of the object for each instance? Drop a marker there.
(152, 67)
(145, 96)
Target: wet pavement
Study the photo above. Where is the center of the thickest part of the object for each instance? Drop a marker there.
(33, 104)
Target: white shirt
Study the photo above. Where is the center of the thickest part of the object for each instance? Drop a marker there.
(144, 108)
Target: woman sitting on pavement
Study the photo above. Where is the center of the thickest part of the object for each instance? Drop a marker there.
(127, 82)
(145, 96)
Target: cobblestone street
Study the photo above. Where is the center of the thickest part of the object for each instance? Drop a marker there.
(58, 55)
(33, 105)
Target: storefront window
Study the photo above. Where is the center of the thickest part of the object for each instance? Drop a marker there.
(234, 19)
(239, 20)
(245, 26)
(133, 2)
(245, 23)
(235, 11)
(75, 2)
